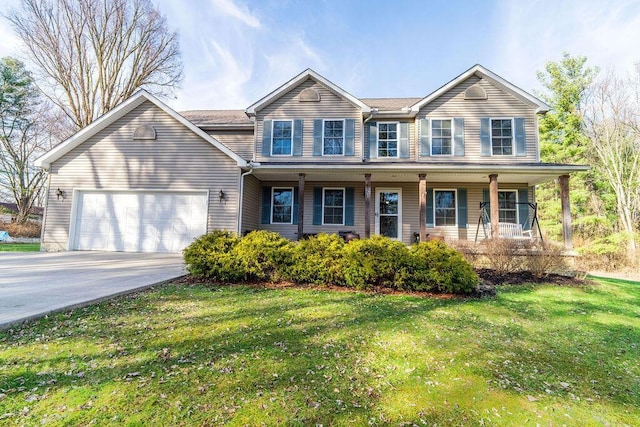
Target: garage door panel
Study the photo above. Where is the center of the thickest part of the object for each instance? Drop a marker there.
(139, 221)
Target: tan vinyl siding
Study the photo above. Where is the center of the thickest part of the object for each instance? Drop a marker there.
(239, 141)
(410, 209)
(251, 204)
(499, 104)
(177, 160)
(330, 106)
(290, 231)
(414, 143)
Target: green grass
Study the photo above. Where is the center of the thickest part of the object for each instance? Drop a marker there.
(19, 247)
(540, 355)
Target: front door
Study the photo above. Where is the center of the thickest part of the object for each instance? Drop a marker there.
(389, 213)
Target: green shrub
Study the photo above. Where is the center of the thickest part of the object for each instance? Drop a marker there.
(211, 256)
(326, 259)
(437, 267)
(375, 261)
(263, 255)
(317, 260)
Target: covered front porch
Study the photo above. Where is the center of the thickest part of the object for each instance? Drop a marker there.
(405, 203)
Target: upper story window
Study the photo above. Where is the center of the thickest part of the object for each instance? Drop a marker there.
(441, 137)
(282, 206)
(508, 206)
(444, 208)
(333, 206)
(387, 139)
(282, 138)
(502, 137)
(333, 138)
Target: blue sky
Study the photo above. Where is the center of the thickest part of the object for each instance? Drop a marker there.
(236, 51)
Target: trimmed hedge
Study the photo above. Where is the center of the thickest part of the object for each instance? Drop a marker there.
(326, 259)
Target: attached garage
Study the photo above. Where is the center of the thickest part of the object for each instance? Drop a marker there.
(137, 221)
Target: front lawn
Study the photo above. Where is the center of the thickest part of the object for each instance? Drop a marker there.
(19, 247)
(241, 355)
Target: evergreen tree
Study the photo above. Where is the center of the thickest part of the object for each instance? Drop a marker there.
(562, 140)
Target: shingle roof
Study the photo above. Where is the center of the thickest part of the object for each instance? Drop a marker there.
(202, 118)
(390, 104)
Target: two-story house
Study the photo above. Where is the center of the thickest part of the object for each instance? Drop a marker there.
(307, 158)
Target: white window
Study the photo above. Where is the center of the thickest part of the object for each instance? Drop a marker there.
(333, 206)
(508, 206)
(282, 138)
(387, 139)
(502, 137)
(441, 137)
(282, 206)
(333, 138)
(444, 208)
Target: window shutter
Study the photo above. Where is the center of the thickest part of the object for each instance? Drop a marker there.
(349, 206)
(349, 137)
(462, 208)
(425, 138)
(317, 205)
(458, 137)
(297, 137)
(404, 140)
(486, 198)
(521, 142)
(430, 222)
(523, 208)
(373, 140)
(294, 214)
(266, 205)
(266, 138)
(317, 137)
(485, 137)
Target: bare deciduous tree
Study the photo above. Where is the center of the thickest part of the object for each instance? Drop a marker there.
(90, 55)
(612, 124)
(25, 134)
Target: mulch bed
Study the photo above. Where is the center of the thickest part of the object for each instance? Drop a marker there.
(490, 280)
(493, 278)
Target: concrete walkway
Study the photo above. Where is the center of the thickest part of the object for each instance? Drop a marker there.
(33, 284)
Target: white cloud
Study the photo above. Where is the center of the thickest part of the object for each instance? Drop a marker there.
(242, 13)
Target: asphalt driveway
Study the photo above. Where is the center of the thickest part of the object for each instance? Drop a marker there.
(33, 284)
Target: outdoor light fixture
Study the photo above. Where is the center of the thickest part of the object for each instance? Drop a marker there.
(222, 196)
(61, 194)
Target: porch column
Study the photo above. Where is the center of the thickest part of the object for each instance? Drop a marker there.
(493, 205)
(300, 206)
(367, 205)
(566, 212)
(422, 190)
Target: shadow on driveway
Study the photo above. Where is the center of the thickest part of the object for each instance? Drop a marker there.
(33, 284)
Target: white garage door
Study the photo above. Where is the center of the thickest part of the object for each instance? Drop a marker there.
(139, 221)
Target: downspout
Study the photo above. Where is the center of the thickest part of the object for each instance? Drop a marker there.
(251, 165)
(373, 111)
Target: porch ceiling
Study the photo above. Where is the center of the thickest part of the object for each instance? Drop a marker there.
(530, 174)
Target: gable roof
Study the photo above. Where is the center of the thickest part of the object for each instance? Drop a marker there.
(308, 73)
(482, 72)
(118, 112)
